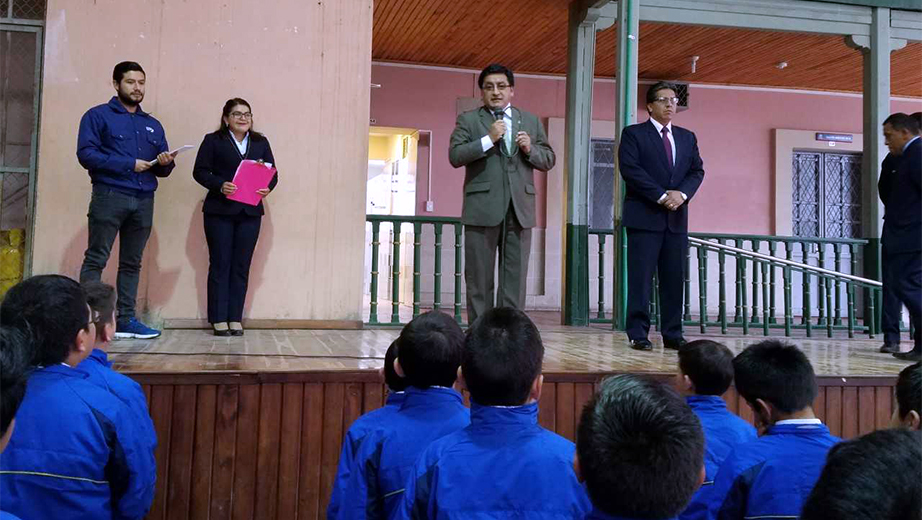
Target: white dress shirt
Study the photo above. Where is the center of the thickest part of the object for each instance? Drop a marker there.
(799, 422)
(241, 145)
(486, 143)
(659, 130)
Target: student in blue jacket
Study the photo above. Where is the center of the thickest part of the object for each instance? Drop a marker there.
(365, 424)
(908, 398)
(874, 477)
(504, 465)
(640, 450)
(76, 452)
(705, 373)
(428, 357)
(14, 373)
(772, 476)
(101, 298)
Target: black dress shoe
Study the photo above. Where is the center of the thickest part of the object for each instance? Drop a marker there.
(674, 344)
(641, 344)
(236, 332)
(222, 333)
(890, 348)
(913, 355)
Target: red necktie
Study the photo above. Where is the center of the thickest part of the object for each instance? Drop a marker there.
(667, 145)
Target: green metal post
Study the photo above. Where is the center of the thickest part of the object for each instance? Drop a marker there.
(702, 289)
(755, 285)
(375, 243)
(417, 261)
(437, 273)
(788, 304)
(458, 272)
(837, 250)
(765, 323)
(722, 287)
(601, 312)
(395, 272)
(772, 249)
(740, 281)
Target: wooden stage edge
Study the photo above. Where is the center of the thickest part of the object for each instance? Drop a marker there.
(263, 324)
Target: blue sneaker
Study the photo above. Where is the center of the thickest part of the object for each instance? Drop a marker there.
(134, 329)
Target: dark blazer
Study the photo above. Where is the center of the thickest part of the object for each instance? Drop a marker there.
(647, 175)
(903, 227)
(217, 162)
(885, 181)
(485, 174)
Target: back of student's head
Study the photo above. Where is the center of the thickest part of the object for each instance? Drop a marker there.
(393, 381)
(54, 308)
(101, 298)
(777, 373)
(874, 477)
(909, 393)
(502, 357)
(709, 366)
(15, 351)
(429, 350)
(640, 448)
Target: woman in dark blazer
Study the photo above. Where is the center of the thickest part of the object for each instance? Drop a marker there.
(231, 227)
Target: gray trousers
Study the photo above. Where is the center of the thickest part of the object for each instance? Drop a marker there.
(480, 246)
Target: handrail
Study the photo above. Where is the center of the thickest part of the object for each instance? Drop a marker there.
(410, 218)
(759, 238)
(803, 267)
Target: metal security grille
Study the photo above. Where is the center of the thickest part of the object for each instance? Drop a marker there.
(601, 183)
(23, 9)
(826, 195)
(20, 65)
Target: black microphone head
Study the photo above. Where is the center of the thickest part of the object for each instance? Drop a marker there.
(498, 114)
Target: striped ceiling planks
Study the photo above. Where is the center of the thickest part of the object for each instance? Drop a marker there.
(473, 33)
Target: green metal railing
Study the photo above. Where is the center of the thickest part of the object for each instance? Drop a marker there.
(755, 281)
(397, 222)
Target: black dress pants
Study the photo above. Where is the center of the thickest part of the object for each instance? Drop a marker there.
(649, 252)
(231, 242)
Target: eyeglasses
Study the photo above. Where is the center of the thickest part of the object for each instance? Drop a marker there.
(489, 87)
(667, 100)
(242, 115)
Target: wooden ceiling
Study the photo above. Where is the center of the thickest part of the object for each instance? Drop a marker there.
(473, 33)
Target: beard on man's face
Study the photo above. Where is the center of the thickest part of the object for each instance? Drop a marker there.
(127, 99)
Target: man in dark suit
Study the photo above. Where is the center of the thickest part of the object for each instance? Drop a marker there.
(891, 309)
(499, 146)
(902, 236)
(662, 170)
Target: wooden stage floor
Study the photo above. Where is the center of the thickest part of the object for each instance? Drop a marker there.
(569, 350)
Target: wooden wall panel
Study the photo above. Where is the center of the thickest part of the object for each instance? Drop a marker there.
(268, 447)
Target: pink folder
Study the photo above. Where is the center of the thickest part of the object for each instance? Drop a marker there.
(251, 176)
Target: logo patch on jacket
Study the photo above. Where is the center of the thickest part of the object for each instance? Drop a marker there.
(149, 129)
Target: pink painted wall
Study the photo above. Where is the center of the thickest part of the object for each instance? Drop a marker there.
(733, 128)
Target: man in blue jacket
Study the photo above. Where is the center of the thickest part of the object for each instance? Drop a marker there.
(124, 149)
(705, 373)
(504, 465)
(14, 372)
(76, 452)
(772, 476)
(428, 357)
(101, 299)
(365, 424)
(639, 450)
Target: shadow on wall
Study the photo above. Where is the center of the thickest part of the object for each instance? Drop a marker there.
(155, 287)
(197, 257)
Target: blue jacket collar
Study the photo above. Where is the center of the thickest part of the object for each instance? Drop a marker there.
(706, 402)
(100, 357)
(395, 398)
(600, 515)
(511, 416)
(799, 429)
(430, 396)
(117, 105)
(60, 370)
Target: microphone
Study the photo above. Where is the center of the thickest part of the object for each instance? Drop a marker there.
(498, 115)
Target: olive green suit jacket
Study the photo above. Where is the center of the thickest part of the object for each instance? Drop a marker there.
(491, 179)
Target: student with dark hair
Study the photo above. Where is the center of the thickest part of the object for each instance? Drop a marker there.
(772, 476)
(504, 465)
(101, 298)
(639, 450)
(365, 424)
(124, 150)
(428, 356)
(874, 477)
(76, 451)
(705, 373)
(901, 239)
(908, 398)
(14, 372)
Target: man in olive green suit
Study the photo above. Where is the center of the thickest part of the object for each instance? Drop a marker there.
(499, 147)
